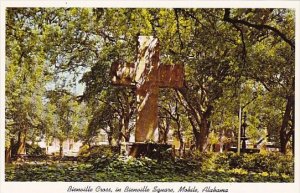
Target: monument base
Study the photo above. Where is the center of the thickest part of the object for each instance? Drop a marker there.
(150, 150)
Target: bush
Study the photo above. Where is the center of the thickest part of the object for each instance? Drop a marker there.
(35, 150)
(198, 167)
(204, 159)
(222, 160)
(94, 152)
(269, 162)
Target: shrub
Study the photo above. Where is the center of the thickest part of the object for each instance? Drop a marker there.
(198, 167)
(222, 160)
(35, 150)
(94, 152)
(270, 162)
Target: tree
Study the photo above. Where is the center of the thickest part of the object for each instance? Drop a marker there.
(228, 54)
(66, 116)
(26, 76)
(273, 35)
(41, 43)
(114, 114)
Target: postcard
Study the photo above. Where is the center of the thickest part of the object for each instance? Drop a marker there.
(149, 96)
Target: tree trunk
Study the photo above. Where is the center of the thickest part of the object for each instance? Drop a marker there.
(127, 136)
(293, 143)
(163, 131)
(47, 146)
(60, 148)
(8, 151)
(126, 128)
(285, 123)
(165, 136)
(8, 154)
(166, 131)
(293, 130)
(180, 137)
(283, 143)
(109, 138)
(196, 133)
(21, 142)
(200, 117)
(120, 134)
(203, 135)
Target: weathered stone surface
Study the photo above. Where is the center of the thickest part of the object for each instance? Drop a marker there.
(147, 118)
(147, 89)
(147, 75)
(169, 76)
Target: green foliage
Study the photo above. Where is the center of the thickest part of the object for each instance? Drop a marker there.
(67, 116)
(226, 61)
(95, 152)
(204, 168)
(257, 163)
(35, 150)
(44, 172)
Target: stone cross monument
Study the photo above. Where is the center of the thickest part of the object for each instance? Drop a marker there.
(147, 75)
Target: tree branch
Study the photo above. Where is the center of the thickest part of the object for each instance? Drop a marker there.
(178, 29)
(243, 41)
(258, 27)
